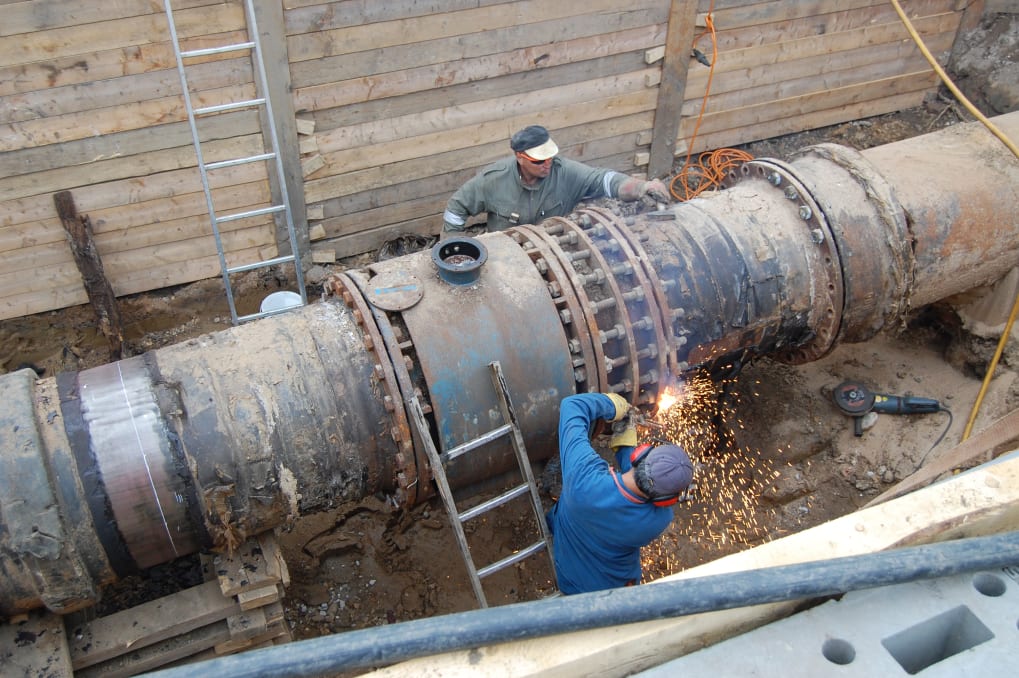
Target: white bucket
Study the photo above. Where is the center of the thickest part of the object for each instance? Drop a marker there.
(280, 301)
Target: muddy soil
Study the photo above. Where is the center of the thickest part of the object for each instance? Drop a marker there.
(789, 458)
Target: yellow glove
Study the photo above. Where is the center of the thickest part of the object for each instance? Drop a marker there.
(622, 407)
(625, 438)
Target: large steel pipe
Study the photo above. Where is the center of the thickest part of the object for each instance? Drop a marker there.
(208, 442)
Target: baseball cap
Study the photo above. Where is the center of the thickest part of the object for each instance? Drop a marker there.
(669, 470)
(535, 141)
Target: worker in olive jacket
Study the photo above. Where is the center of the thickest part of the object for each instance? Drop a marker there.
(535, 183)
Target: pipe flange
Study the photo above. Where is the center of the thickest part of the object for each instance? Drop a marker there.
(535, 243)
(827, 273)
(662, 353)
(872, 221)
(347, 289)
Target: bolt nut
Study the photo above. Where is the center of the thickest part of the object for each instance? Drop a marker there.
(574, 346)
(806, 212)
(565, 316)
(791, 193)
(579, 375)
(555, 289)
(541, 265)
(775, 179)
(817, 236)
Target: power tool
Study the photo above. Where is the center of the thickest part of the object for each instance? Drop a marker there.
(856, 400)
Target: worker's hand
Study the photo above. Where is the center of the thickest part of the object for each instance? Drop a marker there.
(625, 438)
(656, 190)
(621, 405)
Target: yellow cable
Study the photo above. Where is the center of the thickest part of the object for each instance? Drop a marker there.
(1012, 147)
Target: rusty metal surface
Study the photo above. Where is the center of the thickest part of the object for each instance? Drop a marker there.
(959, 188)
(646, 305)
(822, 263)
(548, 264)
(394, 359)
(457, 331)
(873, 243)
(278, 418)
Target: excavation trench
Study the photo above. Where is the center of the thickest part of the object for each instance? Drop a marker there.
(208, 442)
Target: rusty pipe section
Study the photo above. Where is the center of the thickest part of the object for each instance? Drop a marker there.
(205, 443)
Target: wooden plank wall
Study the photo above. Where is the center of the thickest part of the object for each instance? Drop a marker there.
(90, 101)
(397, 103)
(411, 99)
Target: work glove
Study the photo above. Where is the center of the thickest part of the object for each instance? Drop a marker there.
(627, 437)
(655, 190)
(621, 405)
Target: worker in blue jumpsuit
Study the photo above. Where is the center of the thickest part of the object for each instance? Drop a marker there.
(604, 515)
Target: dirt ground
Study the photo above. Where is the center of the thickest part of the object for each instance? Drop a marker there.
(788, 460)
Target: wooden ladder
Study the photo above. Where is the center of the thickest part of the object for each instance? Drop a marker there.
(270, 155)
(457, 518)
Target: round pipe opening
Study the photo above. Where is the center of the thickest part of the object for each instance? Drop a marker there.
(459, 260)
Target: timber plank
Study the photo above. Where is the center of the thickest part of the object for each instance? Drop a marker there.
(823, 24)
(775, 54)
(124, 145)
(157, 233)
(141, 166)
(121, 266)
(154, 277)
(35, 644)
(128, 89)
(794, 107)
(148, 623)
(160, 654)
(871, 62)
(468, 46)
(103, 64)
(790, 87)
(38, 132)
(515, 84)
(770, 12)
(675, 67)
(423, 78)
(812, 120)
(41, 15)
(137, 188)
(309, 16)
(383, 34)
(427, 144)
(117, 33)
(394, 129)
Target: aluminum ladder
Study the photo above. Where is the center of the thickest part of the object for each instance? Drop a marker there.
(270, 155)
(457, 518)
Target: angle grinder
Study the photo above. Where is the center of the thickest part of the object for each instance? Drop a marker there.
(856, 400)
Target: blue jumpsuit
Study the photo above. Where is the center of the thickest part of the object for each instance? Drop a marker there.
(598, 526)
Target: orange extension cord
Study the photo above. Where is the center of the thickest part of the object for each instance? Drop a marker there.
(711, 166)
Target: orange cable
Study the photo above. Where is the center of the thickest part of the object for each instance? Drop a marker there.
(711, 166)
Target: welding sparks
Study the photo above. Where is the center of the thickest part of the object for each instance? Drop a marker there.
(723, 503)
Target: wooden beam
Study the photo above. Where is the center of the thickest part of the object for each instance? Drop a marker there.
(269, 15)
(90, 265)
(671, 92)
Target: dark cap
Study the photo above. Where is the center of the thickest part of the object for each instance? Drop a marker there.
(535, 141)
(668, 469)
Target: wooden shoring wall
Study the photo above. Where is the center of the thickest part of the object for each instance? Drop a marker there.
(392, 106)
(90, 101)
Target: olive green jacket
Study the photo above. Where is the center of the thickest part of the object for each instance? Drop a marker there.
(499, 191)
